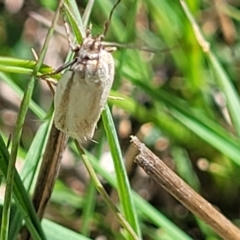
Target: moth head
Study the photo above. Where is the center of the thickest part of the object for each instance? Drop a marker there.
(90, 47)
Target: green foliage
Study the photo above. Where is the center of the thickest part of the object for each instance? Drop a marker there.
(188, 93)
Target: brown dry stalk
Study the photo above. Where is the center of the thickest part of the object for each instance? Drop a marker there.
(47, 174)
(49, 170)
(173, 184)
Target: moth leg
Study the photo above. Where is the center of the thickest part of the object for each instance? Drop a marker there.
(115, 98)
(58, 70)
(51, 81)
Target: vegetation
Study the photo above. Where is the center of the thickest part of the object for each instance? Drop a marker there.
(182, 102)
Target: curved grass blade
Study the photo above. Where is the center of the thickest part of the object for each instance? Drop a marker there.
(124, 189)
(57, 232)
(33, 106)
(20, 195)
(74, 19)
(142, 206)
(233, 100)
(16, 65)
(28, 172)
(126, 225)
(17, 135)
(200, 125)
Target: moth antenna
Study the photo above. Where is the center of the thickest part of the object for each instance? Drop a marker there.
(107, 23)
(73, 47)
(143, 48)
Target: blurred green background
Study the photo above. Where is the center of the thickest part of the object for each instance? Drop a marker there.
(182, 99)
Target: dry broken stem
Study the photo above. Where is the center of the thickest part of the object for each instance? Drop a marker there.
(164, 176)
(47, 174)
(49, 170)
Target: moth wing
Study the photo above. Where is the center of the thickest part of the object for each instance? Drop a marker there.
(80, 100)
(77, 106)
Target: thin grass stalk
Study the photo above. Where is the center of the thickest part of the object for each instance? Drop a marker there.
(17, 134)
(121, 174)
(104, 194)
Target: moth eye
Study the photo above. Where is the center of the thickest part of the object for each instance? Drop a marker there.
(87, 58)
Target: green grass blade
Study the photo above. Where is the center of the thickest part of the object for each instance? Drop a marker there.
(28, 172)
(205, 128)
(233, 101)
(158, 218)
(104, 194)
(89, 205)
(33, 106)
(17, 135)
(20, 195)
(57, 232)
(15, 65)
(122, 178)
(74, 19)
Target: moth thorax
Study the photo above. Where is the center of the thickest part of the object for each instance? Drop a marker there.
(90, 48)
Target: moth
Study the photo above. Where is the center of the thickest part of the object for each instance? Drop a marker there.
(82, 92)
